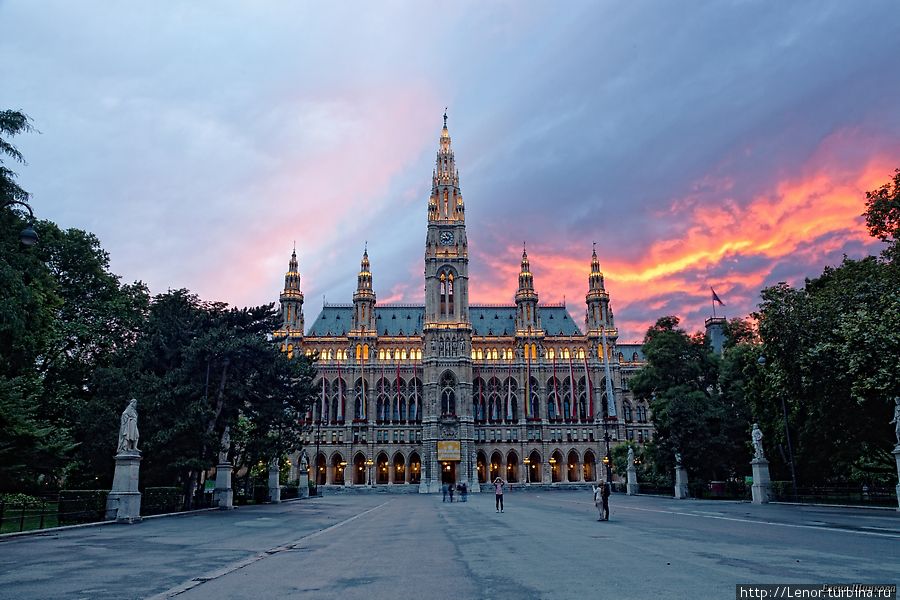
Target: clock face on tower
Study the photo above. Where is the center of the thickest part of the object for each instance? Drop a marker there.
(446, 238)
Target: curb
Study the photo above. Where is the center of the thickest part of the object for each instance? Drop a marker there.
(863, 507)
(45, 530)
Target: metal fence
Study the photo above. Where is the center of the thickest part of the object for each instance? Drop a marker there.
(653, 489)
(67, 507)
(856, 495)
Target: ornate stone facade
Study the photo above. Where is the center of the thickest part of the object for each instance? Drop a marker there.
(417, 395)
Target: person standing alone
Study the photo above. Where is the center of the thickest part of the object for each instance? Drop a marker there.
(498, 493)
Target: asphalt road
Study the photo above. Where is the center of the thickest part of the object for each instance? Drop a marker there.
(545, 545)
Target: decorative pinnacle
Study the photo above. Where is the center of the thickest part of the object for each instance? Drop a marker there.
(445, 117)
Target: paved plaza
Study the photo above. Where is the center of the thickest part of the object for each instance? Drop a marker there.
(547, 544)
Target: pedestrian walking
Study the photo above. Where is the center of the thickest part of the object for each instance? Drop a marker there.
(451, 486)
(464, 492)
(607, 490)
(444, 493)
(498, 493)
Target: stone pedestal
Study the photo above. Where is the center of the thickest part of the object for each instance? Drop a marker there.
(274, 486)
(631, 485)
(681, 483)
(124, 501)
(897, 458)
(761, 488)
(303, 490)
(223, 495)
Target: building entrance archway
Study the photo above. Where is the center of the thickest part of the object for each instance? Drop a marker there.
(448, 471)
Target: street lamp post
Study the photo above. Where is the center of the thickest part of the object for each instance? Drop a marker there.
(527, 462)
(761, 361)
(607, 457)
(318, 436)
(28, 236)
(369, 463)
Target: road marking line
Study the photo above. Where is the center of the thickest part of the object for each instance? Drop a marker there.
(231, 568)
(708, 516)
(754, 522)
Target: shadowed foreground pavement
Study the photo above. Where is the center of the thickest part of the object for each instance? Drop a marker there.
(546, 545)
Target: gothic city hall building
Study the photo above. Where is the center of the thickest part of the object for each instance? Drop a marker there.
(419, 395)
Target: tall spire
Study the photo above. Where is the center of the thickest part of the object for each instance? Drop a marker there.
(291, 299)
(526, 279)
(597, 299)
(526, 298)
(364, 298)
(446, 202)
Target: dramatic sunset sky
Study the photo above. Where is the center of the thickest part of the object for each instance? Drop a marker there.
(697, 143)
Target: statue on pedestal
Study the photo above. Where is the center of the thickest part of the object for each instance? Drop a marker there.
(304, 461)
(630, 457)
(225, 445)
(896, 420)
(757, 436)
(678, 460)
(128, 430)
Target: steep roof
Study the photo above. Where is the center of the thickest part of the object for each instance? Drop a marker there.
(409, 319)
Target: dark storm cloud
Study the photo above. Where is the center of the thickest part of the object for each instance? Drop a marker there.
(200, 140)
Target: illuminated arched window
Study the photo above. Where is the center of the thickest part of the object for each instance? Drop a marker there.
(580, 353)
(551, 354)
(358, 352)
(365, 352)
(450, 294)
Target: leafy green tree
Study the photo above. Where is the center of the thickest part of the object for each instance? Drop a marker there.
(883, 213)
(691, 413)
(202, 366)
(832, 350)
(12, 123)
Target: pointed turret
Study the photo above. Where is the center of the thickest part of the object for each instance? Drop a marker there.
(446, 202)
(291, 300)
(364, 299)
(527, 320)
(597, 299)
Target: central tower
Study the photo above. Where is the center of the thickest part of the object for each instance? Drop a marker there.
(448, 427)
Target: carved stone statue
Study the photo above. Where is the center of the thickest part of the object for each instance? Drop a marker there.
(304, 461)
(678, 459)
(757, 436)
(896, 420)
(630, 457)
(225, 445)
(128, 430)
